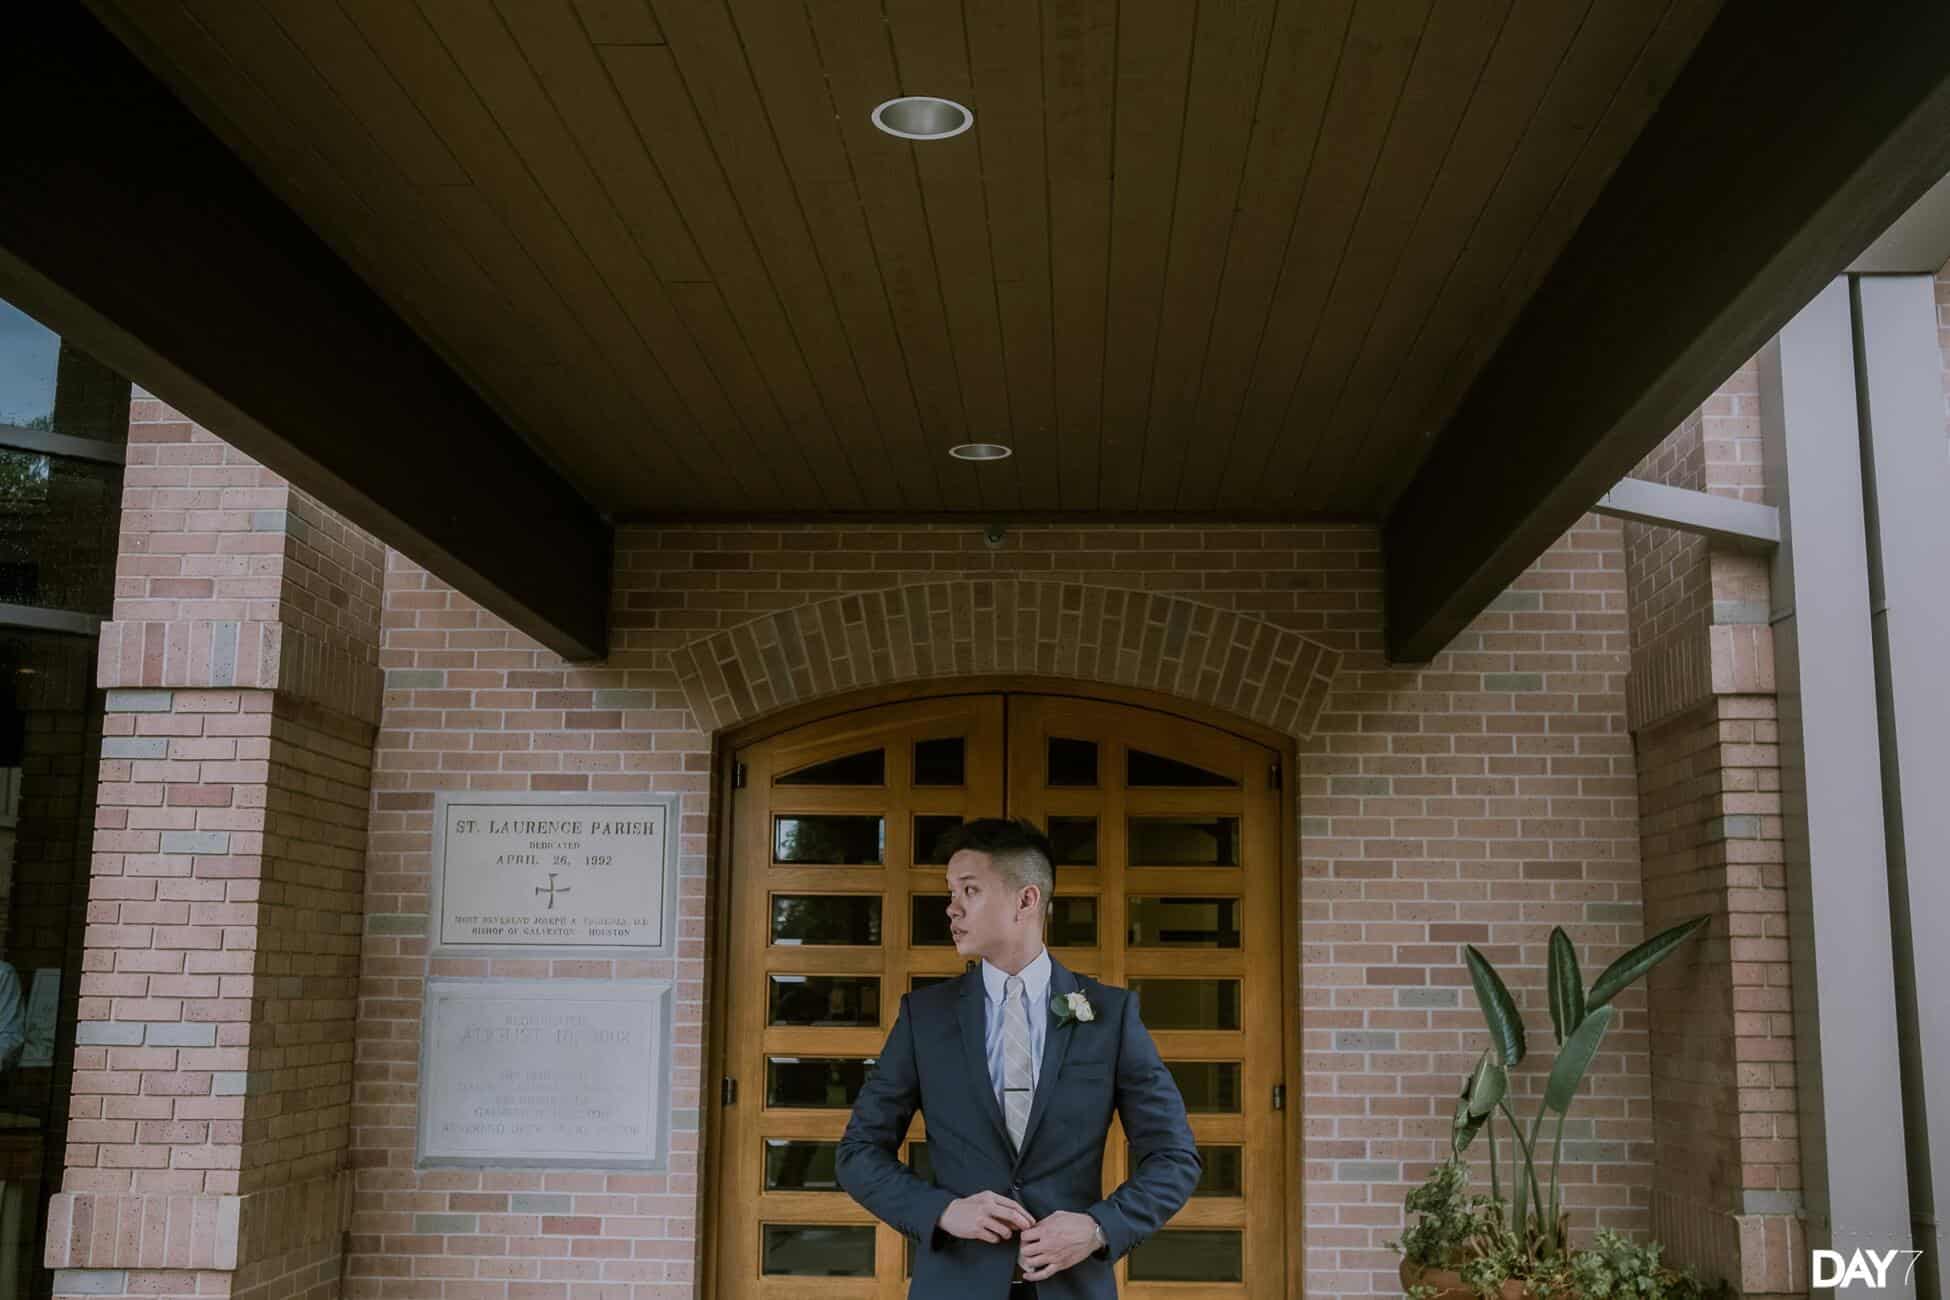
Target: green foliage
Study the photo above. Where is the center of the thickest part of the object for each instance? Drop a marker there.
(1489, 1241)
(1499, 1008)
(1566, 986)
(1612, 1268)
(1567, 1072)
(1456, 1229)
(23, 478)
(1450, 1218)
(1486, 1087)
(1621, 973)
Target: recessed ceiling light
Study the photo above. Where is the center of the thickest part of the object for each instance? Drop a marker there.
(922, 117)
(979, 451)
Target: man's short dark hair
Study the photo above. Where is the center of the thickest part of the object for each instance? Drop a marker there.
(1021, 853)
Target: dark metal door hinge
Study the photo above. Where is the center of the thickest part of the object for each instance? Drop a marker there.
(728, 1091)
(737, 776)
(1279, 1096)
(1273, 777)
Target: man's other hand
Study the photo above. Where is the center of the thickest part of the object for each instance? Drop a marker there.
(1061, 1241)
(985, 1216)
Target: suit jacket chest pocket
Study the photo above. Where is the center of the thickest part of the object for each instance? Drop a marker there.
(1083, 1091)
(1082, 1072)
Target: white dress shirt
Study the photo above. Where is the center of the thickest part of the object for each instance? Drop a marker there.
(1035, 993)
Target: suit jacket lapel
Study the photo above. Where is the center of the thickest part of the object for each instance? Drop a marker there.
(1056, 1045)
(970, 1011)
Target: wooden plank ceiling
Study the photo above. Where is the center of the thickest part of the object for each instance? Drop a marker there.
(1233, 258)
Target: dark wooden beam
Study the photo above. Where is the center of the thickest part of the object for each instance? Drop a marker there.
(1794, 135)
(129, 228)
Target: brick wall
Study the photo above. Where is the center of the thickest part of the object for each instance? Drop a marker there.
(213, 1066)
(305, 975)
(1481, 799)
(165, 1004)
(1729, 1174)
(1701, 700)
(1695, 605)
(229, 576)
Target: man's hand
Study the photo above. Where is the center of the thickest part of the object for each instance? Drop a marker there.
(1061, 1241)
(985, 1216)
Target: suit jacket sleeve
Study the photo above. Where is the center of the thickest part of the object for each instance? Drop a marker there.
(869, 1163)
(1165, 1163)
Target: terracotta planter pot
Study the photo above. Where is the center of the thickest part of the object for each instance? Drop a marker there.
(1451, 1284)
(1447, 1279)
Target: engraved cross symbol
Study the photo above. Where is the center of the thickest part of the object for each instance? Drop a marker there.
(552, 889)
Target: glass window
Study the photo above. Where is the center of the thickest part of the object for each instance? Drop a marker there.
(1222, 1172)
(1184, 842)
(59, 520)
(817, 1250)
(1190, 1255)
(816, 1082)
(1208, 1087)
(939, 762)
(793, 1165)
(930, 839)
(1187, 1004)
(1072, 922)
(829, 839)
(1182, 922)
(825, 1000)
(869, 767)
(1073, 841)
(928, 923)
(30, 356)
(1141, 769)
(1072, 762)
(846, 919)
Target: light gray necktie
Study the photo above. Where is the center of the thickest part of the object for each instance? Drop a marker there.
(1018, 1083)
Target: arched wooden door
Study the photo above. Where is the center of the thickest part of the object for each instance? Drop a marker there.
(1169, 867)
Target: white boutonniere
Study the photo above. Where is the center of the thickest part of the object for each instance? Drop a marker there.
(1074, 1006)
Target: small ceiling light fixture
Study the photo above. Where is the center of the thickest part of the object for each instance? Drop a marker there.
(979, 451)
(923, 117)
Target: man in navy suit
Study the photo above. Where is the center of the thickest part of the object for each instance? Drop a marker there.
(1017, 1076)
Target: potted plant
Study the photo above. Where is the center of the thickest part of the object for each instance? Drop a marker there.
(1610, 1268)
(1520, 1243)
(1449, 1222)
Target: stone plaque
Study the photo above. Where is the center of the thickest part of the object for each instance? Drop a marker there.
(523, 1073)
(555, 871)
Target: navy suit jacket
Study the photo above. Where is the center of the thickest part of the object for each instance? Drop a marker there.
(936, 1061)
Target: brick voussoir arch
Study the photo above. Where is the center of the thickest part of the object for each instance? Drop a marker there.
(1228, 660)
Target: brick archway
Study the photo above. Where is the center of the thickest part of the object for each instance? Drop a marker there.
(1232, 661)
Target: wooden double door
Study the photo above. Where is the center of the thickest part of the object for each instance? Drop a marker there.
(1168, 881)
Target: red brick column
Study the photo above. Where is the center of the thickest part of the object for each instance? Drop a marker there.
(213, 1061)
(1726, 1197)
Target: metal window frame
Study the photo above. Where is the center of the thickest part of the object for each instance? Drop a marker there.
(33, 618)
(36, 618)
(61, 444)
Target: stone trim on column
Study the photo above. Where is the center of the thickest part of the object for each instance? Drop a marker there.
(220, 654)
(1237, 662)
(1685, 670)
